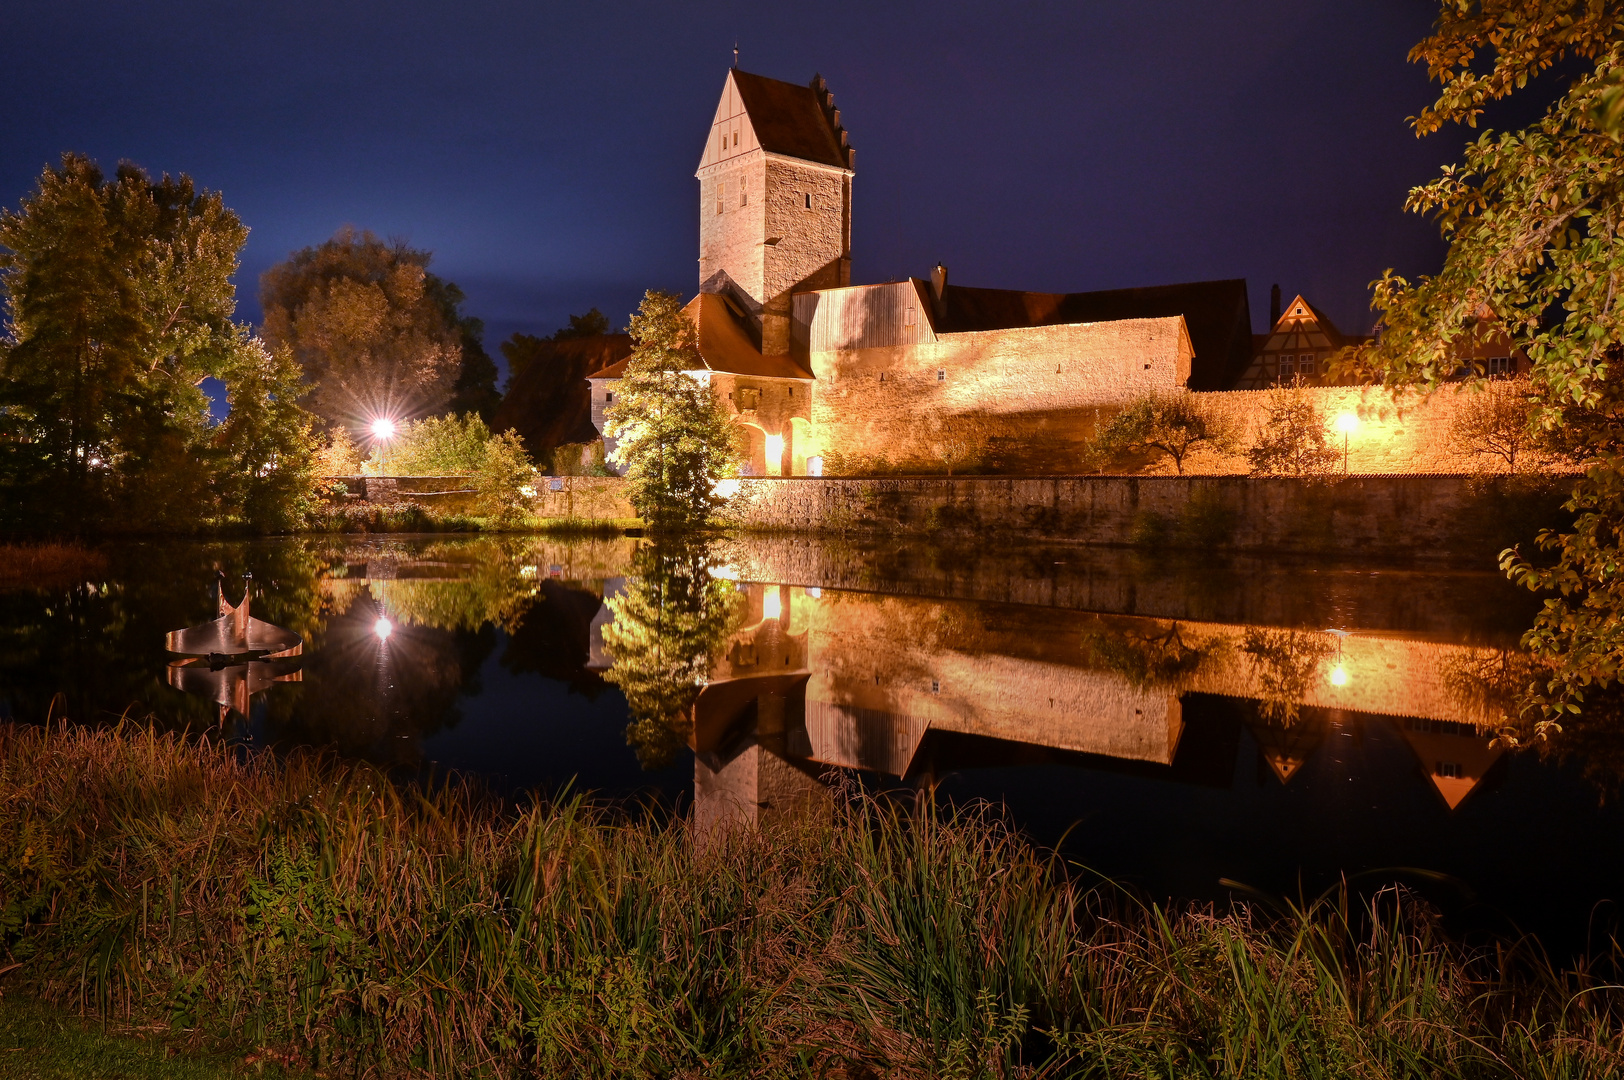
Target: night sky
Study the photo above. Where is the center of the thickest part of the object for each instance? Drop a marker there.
(545, 152)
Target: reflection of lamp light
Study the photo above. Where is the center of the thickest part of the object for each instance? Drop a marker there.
(1339, 676)
(775, 454)
(383, 628)
(1347, 424)
(770, 607)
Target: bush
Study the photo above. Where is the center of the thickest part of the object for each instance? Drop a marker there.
(1293, 440)
(449, 445)
(505, 480)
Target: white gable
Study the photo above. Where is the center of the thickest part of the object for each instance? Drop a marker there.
(731, 134)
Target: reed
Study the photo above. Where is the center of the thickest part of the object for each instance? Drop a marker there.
(308, 905)
(48, 564)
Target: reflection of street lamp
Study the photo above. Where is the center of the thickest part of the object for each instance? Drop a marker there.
(383, 429)
(383, 628)
(1347, 424)
(1339, 674)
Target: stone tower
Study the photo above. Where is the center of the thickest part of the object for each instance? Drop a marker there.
(774, 200)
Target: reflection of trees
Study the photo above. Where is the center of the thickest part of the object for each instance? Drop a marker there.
(1146, 660)
(1285, 662)
(1491, 684)
(668, 630)
(554, 638)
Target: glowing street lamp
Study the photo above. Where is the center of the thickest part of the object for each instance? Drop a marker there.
(383, 429)
(1347, 424)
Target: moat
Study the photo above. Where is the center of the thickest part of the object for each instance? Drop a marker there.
(1187, 728)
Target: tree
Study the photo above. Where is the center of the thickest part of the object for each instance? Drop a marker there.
(268, 441)
(1158, 424)
(1292, 441)
(1494, 418)
(439, 446)
(368, 325)
(675, 438)
(1532, 219)
(548, 400)
(475, 389)
(118, 304)
(505, 480)
(668, 631)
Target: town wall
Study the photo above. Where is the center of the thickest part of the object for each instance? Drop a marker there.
(1426, 517)
(1008, 406)
(1023, 399)
(583, 498)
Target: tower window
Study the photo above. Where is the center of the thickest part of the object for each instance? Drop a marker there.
(608, 396)
(941, 374)
(744, 193)
(882, 376)
(721, 196)
(809, 200)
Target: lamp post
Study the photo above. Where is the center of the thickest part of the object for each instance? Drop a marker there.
(383, 429)
(1347, 424)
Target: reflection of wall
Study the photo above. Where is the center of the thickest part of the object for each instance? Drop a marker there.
(859, 680)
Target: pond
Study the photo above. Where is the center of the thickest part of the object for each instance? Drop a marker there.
(1192, 729)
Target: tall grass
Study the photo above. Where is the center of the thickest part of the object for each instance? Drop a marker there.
(48, 564)
(310, 905)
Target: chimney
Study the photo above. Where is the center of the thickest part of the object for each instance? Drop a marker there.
(1274, 307)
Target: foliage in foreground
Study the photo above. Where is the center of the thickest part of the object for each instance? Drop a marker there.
(1533, 221)
(312, 907)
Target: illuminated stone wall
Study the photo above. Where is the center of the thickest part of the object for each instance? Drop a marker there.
(1027, 397)
(583, 498)
(1422, 516)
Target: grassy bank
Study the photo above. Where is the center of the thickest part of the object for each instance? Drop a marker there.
(311, 908)
(406, 516)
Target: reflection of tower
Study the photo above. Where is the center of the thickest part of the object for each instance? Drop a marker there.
(1454, 756)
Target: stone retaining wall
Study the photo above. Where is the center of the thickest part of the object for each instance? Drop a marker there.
(1389, 516)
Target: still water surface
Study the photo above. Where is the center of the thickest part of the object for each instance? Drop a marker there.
(1179, 727)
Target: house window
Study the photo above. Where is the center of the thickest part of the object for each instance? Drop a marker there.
(608, 396)
(749, 398)
(1449, 769)
(1287, 366)
(941, 374)
(1306, 366)
(809, 200)
(1499, 367)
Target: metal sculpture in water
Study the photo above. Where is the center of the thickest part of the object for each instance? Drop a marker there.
(234, 656)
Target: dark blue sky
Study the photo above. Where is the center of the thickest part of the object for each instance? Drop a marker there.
(545, 152)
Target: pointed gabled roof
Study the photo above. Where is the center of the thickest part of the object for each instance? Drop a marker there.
(780, 118)
(1300, 311)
